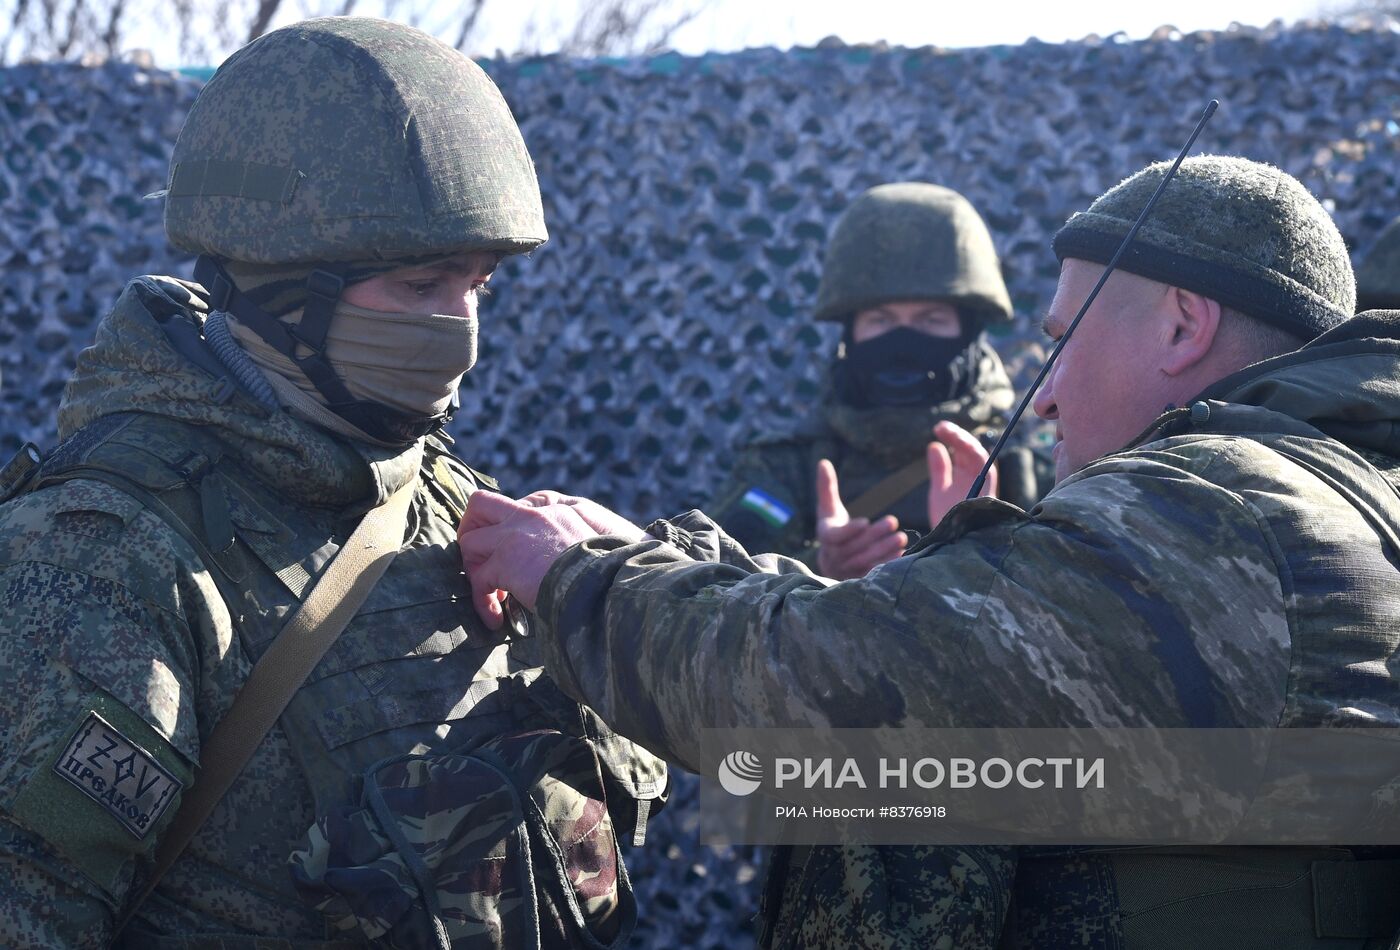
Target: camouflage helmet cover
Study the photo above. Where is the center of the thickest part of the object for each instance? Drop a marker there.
(911, 241)
(1378, 274)
(350, 139)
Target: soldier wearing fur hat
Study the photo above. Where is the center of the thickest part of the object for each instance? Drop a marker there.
(1219, 551)
(913, 279)
(254, 462)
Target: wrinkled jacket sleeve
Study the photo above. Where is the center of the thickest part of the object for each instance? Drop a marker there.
(1115, 602)
(91, 623)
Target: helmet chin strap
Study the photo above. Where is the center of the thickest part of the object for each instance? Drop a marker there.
(1088, 301)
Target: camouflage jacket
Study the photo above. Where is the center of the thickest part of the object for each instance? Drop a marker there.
(769, 501)
(1116, 601)
(123, 640)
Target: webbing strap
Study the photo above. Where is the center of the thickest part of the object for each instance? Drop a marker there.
(888, 490)
(280, 672)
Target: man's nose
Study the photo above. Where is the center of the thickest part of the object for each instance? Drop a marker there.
(462, 305)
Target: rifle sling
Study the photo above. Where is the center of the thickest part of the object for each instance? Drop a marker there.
(883, 494)
(280, 672)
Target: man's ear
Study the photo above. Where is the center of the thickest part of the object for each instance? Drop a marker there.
(1194, 323)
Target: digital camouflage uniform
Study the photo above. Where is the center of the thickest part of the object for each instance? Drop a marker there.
(903, 241)
(426, 787)
(1234, 567)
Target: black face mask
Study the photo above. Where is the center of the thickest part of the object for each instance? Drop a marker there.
(903, 367)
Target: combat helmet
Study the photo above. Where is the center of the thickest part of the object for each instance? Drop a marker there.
(1378, 274)
(912, 241)
(333, 144)
(350, 138)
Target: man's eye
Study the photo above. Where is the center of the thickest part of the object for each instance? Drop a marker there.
(422, 288)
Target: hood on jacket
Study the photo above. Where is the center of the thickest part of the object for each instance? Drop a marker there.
(132, 366)
(1345, 383)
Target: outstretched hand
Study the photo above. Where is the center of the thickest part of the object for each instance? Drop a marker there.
(849, 547)
(954, 461)
(508, 546)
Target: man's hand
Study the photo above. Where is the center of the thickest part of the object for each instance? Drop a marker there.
(601, 520)
(849, 547)
(508, 546)
(953, 463)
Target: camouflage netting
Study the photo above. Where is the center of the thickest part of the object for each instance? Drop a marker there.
(689, 201)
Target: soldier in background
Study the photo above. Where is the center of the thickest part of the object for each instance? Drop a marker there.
(1378, 274)
(912, 277)
(350, 185)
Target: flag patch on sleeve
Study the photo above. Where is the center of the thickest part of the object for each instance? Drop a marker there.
(118, 774)
(766, 507)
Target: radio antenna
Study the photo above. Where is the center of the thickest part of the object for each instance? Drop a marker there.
(1088, 301)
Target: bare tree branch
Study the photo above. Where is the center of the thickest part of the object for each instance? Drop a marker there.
(49, 26)
(21, 8)
(267, 9)
(205, 31)
(622, 27)
(664, 33)
(111, 36)
(469, 23)
(530, 35)
(70, 34)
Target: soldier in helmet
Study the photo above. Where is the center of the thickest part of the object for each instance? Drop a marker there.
(1378, 274)
(349, 186)
(912, 277)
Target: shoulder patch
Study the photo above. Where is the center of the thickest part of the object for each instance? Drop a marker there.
(770, 509)
(118, 775)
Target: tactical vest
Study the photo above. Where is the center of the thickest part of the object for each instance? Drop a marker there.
(460, 800)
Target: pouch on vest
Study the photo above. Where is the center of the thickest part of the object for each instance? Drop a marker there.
(636, 781)
(505, 844)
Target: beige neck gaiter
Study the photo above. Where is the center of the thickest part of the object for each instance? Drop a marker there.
(412, 362)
